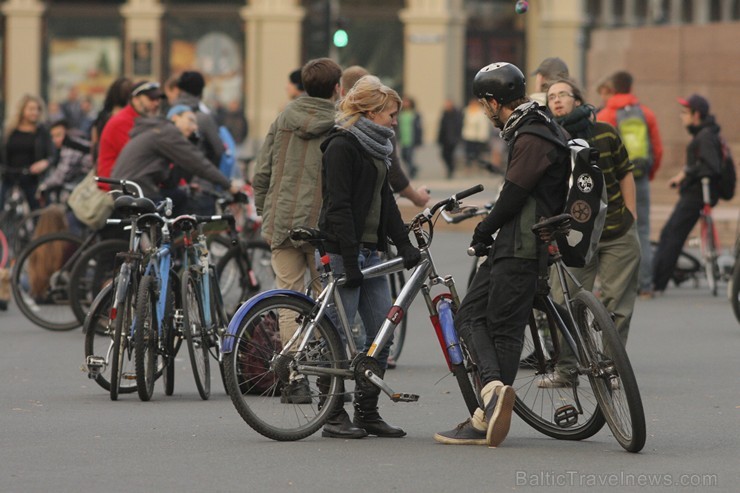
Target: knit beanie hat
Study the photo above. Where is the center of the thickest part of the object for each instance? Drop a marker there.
(192, 82)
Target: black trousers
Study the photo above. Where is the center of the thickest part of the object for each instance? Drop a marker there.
(494, 313)
(672, 237)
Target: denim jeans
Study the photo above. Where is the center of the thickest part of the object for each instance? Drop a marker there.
(494, 313)
(372, 300)
(642, 189)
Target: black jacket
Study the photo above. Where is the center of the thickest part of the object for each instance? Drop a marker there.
(703, 158)
(348, 175)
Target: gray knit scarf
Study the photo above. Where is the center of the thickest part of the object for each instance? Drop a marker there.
(374, 138)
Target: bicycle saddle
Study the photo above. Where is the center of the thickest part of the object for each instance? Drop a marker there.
(552, 227)
(128, 205)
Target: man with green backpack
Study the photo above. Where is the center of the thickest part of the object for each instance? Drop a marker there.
(638, 129)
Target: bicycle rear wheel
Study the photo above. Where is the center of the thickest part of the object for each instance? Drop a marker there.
(256, 374)
(146, 338)
(244, 271)
(564, 413)
(99, 331)
(96, 266)
(466, 374)
(196, 332)
(611, 375)
(40, 281)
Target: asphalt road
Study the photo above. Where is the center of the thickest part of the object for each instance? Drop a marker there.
(60, 432)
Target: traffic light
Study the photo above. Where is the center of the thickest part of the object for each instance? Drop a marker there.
(340, 38)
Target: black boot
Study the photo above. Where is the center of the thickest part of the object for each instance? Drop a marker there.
(338, 425)
(367, 417)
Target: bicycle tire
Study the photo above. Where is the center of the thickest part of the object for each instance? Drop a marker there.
(220, 323)
(193, 327)
(233, 271)
(544, 408)
(146, 338)
(170, 333)
(94, 267)
(121, 357)
(397, 280)
(99, 331)
(254, 383)
(735, 288)
(615, 384)
(40, 281)
(468, 380)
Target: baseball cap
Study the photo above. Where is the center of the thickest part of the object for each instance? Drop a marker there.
(178, 109)
(147, 88)
(552, 67)
(696, 103)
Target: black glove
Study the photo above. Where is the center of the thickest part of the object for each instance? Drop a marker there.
(480, 237)
(353, 276)
(411, 256)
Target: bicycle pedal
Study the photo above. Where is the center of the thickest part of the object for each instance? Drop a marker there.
(129, 376)
(566, 416)
(404, 397)
(94, 366)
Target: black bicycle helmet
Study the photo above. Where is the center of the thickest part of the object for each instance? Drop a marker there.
(500, 81)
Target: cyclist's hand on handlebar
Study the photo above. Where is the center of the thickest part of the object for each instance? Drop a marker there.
(481, 237)
(234, 188)
(422, 196)
(410, 254)
(478, 250)
(353, 277)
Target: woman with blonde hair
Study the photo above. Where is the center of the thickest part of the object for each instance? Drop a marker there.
(26, 150)
(359, 213)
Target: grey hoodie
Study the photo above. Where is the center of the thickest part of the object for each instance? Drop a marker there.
(287, 176)
(155, 143)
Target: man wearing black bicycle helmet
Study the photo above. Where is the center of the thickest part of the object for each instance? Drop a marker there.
(495, 311)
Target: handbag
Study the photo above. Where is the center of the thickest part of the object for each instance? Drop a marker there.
(91, 205)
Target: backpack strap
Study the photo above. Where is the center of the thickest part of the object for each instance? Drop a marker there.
(545, 133)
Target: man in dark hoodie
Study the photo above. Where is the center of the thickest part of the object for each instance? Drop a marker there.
(287, 180)
(703, 159)
(190, 87)
(155, 144)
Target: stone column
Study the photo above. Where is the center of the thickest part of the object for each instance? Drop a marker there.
(557, 30)
(143, 25)
(629, 17)
(675, 15)
(273, 39)
(23, 48)
(701, 11)
(434, 51)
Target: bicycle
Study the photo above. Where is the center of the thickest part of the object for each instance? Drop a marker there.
(204, 319)
(256, 363)
(584, 324)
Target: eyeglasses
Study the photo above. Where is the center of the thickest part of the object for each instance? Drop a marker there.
(560, 95)
(144, 88)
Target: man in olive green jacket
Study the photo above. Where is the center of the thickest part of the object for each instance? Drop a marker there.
(287, 177)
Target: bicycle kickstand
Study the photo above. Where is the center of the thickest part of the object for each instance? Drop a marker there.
(395, 396)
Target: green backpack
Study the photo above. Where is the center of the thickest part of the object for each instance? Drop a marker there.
(635, 134)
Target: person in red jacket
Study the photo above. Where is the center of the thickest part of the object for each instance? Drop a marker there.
(144, 101)
(623, 99)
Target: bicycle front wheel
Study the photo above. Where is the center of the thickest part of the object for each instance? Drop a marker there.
(563, 412)
(256, 374)
(122, 358)
(40, 281)
(99, 332)
(611, 375)
(146, 338)
(735, 288)
(195, 332)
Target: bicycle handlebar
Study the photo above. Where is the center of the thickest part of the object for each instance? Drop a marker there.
(122, 183)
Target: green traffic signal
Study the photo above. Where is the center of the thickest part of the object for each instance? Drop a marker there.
(340, 38)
